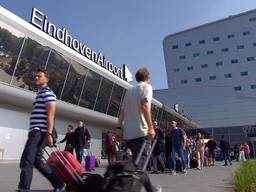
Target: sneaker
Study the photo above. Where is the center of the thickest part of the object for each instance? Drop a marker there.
(184, 171)
(157, 188)
(173, 173)
(154, 172)
(62, 189)
(230, 163)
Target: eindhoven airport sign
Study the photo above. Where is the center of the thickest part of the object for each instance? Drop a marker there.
(40, 20)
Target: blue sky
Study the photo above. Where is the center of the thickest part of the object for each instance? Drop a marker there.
(130, 32)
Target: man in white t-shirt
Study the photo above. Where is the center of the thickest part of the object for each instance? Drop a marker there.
(135, 118)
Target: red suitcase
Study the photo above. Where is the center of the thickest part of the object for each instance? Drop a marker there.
(67, 168)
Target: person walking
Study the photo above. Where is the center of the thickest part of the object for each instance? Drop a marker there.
(135, 121)
(200, 150)
(110, 146)
(188, 150)
(211, 144)
(158, 152)
(40, 133)
(69, 138)
(225, 149)
(178, 138)
(82, 138)
(247, 151)
(242, 153)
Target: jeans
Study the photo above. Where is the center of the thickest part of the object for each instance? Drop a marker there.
(179, 150)
(135, 146)
(160, 158)
(32, 156)
(226, 156)
(79, 152)
(187, 153)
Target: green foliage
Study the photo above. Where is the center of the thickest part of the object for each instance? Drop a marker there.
(245, 177)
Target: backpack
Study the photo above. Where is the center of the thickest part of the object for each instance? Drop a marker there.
(122, 176)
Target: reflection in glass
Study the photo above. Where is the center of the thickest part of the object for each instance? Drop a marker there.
(154, 111)
(163, 122)
(115, 100)
(74, 83)
(57, 68)
(10, 45)
(33, 56)
(159, 115)
(89, 93)
(104, 95)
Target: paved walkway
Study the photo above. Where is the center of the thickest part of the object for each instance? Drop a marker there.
(211, 179)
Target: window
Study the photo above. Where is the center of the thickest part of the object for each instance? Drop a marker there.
(216, 39)
(219, 63)
(190, 68)
(240, 47)
(204, 65)
(188, 44)
(198, 79)
(57, 68)
(115, 100)
(33, 56)
(252, 19)
(244, 73)
(11, 42)
(250, 59)
(182, 57)
(234, 61)
(230, 36)
(176, 70)
(246, 33)
(184, 81)
(74, 84)
(224, 49)
(228, 75)
(89, 93)
(104, 94)
(213, 77)
(238, 88)
(210, 52)
(253, 86)
(175, 47)
(196, 54)
(202, 42)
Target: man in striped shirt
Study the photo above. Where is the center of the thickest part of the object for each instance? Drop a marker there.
(40, 133)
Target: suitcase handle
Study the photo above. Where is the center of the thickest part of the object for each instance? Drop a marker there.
(148, 155)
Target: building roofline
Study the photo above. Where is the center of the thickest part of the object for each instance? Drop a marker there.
(208, 24)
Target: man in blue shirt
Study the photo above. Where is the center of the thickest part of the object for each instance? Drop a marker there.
(40, 133)
(178, 138)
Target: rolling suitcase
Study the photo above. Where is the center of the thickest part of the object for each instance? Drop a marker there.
(90, 162)
(67, 168)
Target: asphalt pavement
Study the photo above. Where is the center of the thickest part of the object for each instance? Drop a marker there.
(210, 179)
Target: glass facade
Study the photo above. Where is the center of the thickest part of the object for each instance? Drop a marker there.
(11, 42)
(21, 55)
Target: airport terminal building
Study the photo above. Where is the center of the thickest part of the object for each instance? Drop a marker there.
(211, 75)
(88, 86)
